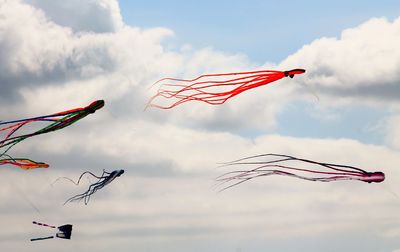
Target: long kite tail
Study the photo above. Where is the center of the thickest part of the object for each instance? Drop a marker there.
(43, 224)
(70, 117)
(229, 182)
(214, 89)
(91, 108)
(80, 177)
(23, 163)
(57, 121)
(42, 238)
(237, 177)
(254, 160)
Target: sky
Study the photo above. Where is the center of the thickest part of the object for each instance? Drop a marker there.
(57, 55)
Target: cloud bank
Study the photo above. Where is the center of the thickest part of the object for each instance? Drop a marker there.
(362, 65)
(56, 55)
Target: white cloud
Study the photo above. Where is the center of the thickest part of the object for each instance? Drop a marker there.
(361, 66)
(170, 156)
(393, 131)
(55, 54)
(83, 16)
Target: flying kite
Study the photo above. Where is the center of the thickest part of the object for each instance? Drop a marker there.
(214, 89)
(64, 231)
(277, 164)
(55, 122)
(104, 179)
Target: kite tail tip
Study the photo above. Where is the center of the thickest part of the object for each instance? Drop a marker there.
(29, 165)
(43, 165)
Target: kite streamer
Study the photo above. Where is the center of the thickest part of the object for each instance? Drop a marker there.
(277, 164)
(26, 164)
(214, 89)
(55, 122)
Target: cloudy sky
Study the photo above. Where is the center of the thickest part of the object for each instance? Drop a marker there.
(57, 55)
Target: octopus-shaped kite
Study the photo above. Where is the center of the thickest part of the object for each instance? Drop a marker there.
(214, 89)
(56, 121)
(285, 165)
(64, 231)
(103, 180)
